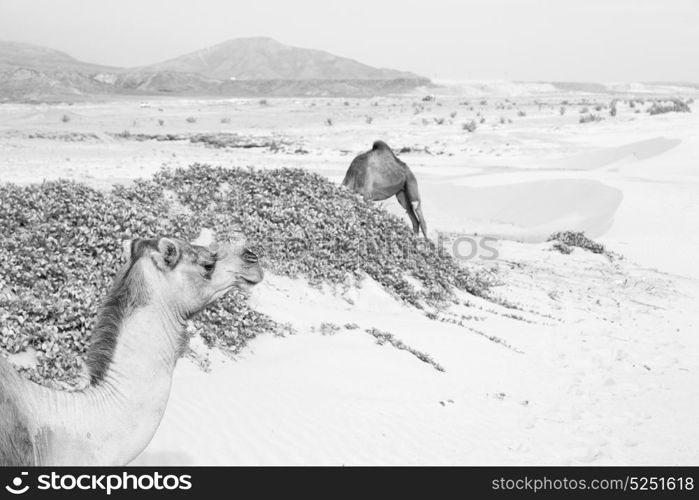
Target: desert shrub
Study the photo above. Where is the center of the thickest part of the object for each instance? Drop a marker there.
(65, 118)
(191, 119)
(225, 120)
(590, 118)
(326, 328)
(125, 134)
(229, 140)
(263, 102)
(566, 239)
(383, 337)
(521, 113)
(484, 102)
(584, 110)
(329, 122)
(482, 120)
(562, 247)
(452, 114)
(439, 121)
(562, 110)
(161, 122)
(469, 126)
(65, 137)
(674, 106)
(217, 140)
(60, 247)
(368, 119)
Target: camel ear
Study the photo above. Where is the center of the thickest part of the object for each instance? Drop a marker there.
(132, 249)
(168, 254)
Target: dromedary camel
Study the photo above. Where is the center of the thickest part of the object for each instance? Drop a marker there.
(136, 342)
(378, 174)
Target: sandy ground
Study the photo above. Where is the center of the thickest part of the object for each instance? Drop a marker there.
(601, 367)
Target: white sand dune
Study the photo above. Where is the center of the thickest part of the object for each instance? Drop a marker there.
(528, 211)
(596, 387)
(640, 150)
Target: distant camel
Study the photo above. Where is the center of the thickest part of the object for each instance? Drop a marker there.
(136, 342)
(378, 174)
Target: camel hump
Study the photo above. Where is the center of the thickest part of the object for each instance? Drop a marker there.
(380, 145)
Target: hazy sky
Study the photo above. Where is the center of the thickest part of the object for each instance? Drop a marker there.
(566, 40)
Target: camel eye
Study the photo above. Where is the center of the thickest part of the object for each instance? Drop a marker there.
(209, 268)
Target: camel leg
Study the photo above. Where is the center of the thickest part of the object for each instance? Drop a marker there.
(413, 197)
(417, 207)
(403, 200)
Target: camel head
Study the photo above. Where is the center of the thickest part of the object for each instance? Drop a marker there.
(189, 276)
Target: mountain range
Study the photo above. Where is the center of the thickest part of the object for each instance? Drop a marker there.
(238, 67)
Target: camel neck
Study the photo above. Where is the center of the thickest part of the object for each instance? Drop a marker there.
(114, 419)
(147, 347)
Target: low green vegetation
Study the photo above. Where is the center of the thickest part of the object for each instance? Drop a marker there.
(60, 247)
(590, 117)
(565, 240)
(673, 106)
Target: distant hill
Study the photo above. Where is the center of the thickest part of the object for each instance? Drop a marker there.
(246, 67)
(14, 55)
(267, 59)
